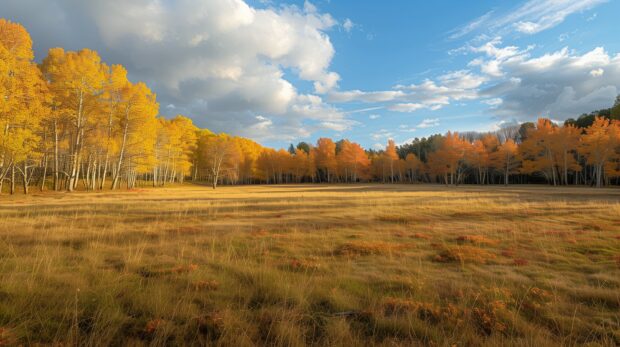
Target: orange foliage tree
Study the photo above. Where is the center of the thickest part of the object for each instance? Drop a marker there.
(505, 159)
(449, 159)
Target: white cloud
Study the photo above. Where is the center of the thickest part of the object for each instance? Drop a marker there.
(263, 123)
(524, 87)
(381, 134)
(535, 15)
(374, 116)
(406, 128)
(358, 95)
(532, 17)
(312, 107)
(471, 26)
(348, 25)
(495, 56)
(493, 101)
(558, 84)
(428, 123)
(431, 95)
(406, 107)
(455, 86)
(528, 27)
(309, 7)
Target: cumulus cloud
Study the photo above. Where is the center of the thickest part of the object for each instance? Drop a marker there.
(512, 82)
(558, 84)
(430, 94)
(222, 62)
(496, 56)
(517, 85)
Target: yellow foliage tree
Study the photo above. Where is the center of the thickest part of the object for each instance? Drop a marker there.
(77, 81)
(23, 104)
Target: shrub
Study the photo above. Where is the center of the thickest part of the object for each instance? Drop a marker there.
(536, 299)
(486, 317)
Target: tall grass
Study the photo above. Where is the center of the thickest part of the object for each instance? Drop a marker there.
(312, 265)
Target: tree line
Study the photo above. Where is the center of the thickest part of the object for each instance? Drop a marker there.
(74, 122)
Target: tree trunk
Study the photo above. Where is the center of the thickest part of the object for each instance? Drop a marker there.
(25, 177)
(155, 169)
(12, 179)
(78, 143)
(121, 154)
(44, 172)
(56, 168)
(565, 168)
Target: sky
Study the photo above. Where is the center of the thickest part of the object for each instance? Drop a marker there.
(281, 72)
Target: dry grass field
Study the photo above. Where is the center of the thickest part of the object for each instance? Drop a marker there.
(312, 265)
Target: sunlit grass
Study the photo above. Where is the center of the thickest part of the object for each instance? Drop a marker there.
(298, 265)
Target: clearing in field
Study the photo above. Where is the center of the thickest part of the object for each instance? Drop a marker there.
(301, 265)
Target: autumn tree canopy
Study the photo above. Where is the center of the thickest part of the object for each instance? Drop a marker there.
(75, 122)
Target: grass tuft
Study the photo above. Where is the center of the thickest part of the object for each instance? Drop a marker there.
(464, 254)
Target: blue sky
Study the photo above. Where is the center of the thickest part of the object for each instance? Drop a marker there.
(289, 71)
(407, 42)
